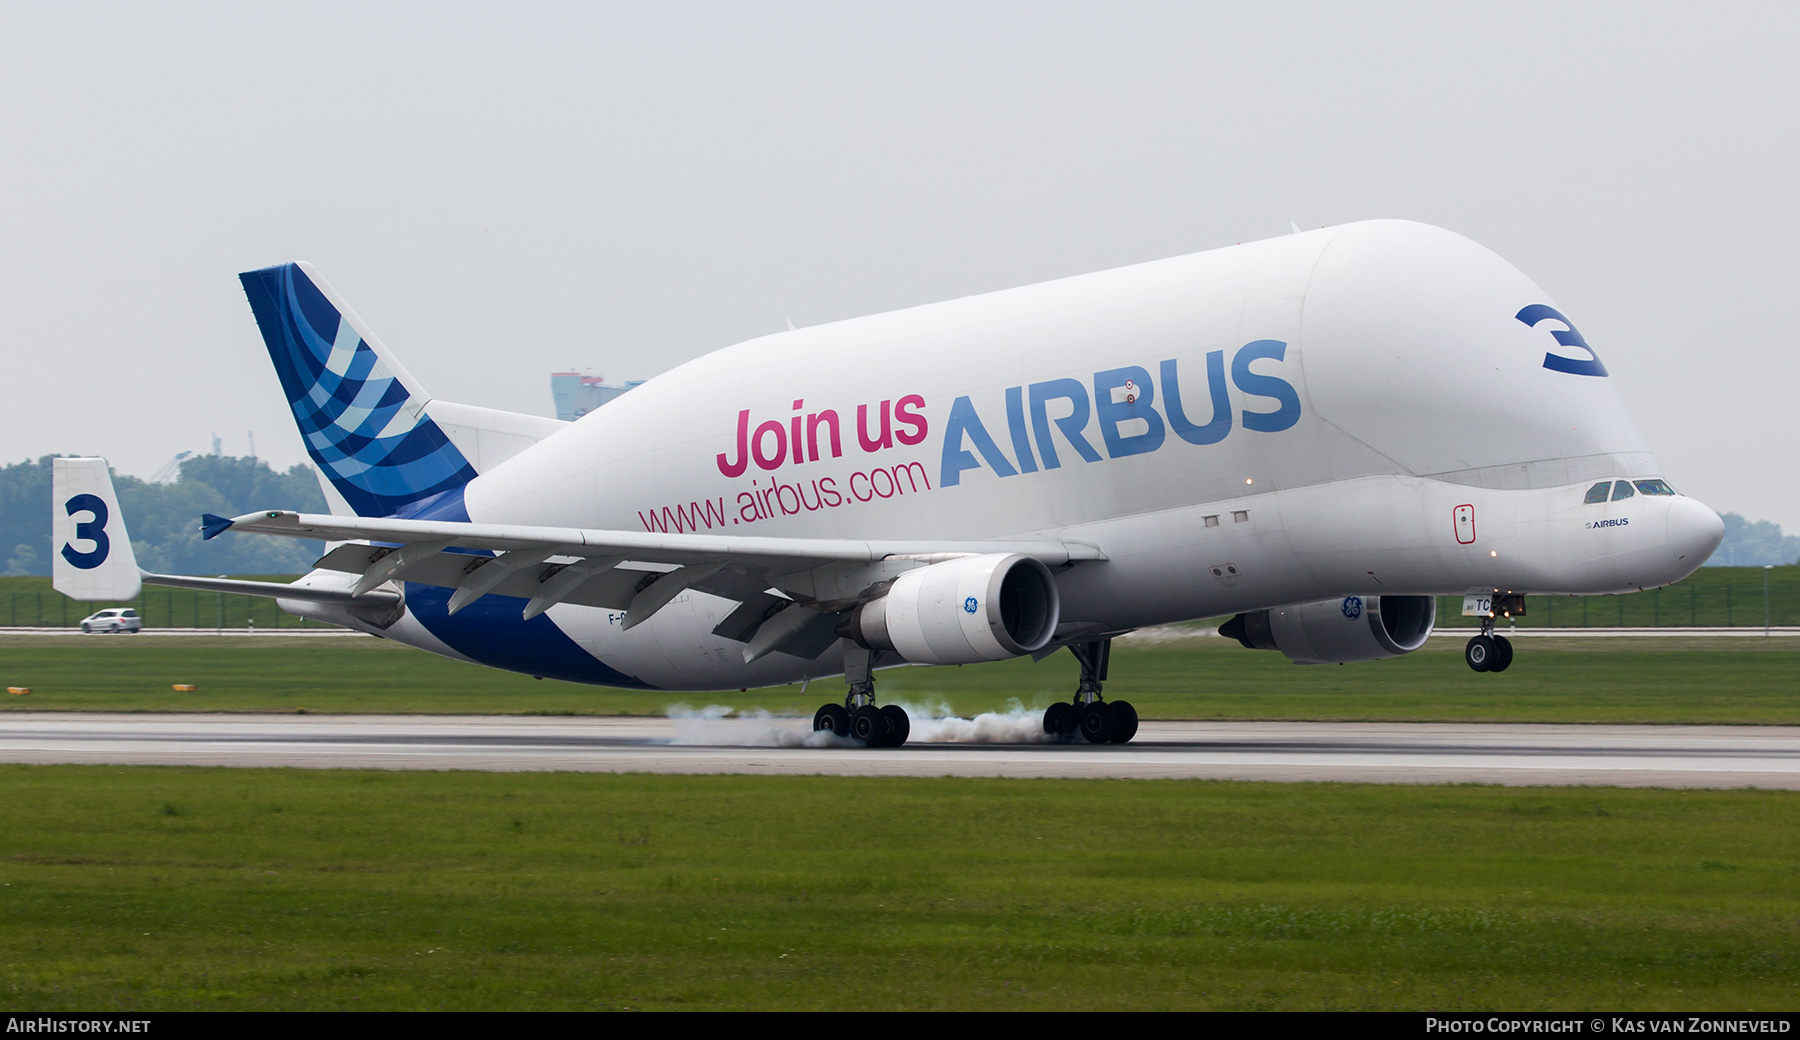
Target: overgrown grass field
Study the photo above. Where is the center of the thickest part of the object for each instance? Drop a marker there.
(165, 888)
(1711, 680)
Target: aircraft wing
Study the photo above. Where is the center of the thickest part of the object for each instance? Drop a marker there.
(637, 572)
(650, 547)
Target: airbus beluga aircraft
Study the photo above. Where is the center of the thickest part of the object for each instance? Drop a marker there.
(1315, 434)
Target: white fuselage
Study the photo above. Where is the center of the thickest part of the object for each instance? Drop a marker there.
(1362, 410)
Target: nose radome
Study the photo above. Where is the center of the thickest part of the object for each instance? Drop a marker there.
(1694, 531)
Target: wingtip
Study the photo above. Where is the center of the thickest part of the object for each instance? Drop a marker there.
(212, 526)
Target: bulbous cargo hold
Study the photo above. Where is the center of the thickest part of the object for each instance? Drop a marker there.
(978, 608)
(1338, 631)
(1451, 362)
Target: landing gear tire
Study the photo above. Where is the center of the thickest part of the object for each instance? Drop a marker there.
(1098, 723)
(1502, 654)
(899, 725)
(832, 718)
(1481, 653)
(1125, 722)
(1060, 720)
(868, 726)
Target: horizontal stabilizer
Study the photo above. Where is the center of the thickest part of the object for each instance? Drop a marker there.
(274, 590)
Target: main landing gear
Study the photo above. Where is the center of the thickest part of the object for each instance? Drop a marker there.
(1091, 716)
(858, 717)
(1488, 652)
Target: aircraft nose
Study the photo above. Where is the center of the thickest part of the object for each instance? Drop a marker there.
(1694, 531)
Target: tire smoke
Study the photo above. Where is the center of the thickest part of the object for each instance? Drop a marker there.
(932, 723)
(716, 725)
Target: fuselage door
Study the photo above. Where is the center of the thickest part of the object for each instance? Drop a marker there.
(1464, 522)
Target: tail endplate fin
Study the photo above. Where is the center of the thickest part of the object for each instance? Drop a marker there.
(93, 559)
(361, 414)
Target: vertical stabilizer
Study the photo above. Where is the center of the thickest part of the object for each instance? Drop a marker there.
(361, 414)
(93, 559)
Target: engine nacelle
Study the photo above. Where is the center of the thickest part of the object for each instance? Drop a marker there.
(978, 608)
(1338, 631)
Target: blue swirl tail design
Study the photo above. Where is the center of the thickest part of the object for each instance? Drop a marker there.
(361, 414)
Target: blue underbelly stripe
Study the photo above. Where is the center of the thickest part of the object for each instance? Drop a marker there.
(493, 631)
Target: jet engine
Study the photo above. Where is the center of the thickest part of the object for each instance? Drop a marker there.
(1338, 631)
(977, 608)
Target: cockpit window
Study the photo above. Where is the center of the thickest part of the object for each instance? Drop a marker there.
(1622, 489)
(1597, 493)
(1654, 487)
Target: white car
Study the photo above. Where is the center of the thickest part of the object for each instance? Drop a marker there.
(118, 619)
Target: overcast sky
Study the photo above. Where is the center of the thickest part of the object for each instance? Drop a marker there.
(506, 190)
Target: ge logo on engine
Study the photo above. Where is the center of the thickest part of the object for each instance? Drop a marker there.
(969, 605)
(1352, 607)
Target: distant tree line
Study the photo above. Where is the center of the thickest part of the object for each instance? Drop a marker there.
(164, 519)
(1755, 544)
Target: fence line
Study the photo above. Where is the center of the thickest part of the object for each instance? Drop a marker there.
(158, 607)
(1697, 605)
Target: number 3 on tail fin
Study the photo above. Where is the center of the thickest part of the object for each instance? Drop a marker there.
(95, 561)
(89, 530)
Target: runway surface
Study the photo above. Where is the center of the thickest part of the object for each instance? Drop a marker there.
(1661, 756)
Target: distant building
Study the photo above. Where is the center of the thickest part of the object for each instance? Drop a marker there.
(577, 393)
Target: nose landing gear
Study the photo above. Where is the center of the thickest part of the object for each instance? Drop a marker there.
(858, 717)
(1091, 716)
